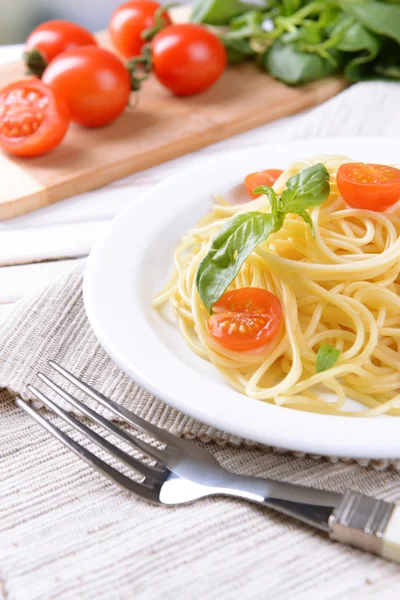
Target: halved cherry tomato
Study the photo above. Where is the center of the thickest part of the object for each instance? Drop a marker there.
(50, 39)
(93, 81)
(245, 319)
(33, 118)
(128, 22)
(267, 177)
(369, 186)
(187, 58)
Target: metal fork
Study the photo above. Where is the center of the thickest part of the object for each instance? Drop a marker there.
(182, 471)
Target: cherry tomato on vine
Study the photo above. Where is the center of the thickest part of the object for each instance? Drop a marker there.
(369, 186)
(128, 22)
(49, 39)
(94, 83)
(33, 118)
(187, 58)
(267, 177)
(245, 319)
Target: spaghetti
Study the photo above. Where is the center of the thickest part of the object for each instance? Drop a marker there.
(340, 287)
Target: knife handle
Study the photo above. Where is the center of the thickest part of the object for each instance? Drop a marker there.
(367, 523)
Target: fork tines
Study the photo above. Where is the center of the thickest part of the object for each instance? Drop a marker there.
(153, 475)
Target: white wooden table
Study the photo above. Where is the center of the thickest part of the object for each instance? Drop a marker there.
(36, 248)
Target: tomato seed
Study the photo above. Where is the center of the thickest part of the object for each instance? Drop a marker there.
(32, 96)
(43, 102)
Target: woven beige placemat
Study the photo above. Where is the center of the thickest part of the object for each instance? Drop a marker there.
(66, 533)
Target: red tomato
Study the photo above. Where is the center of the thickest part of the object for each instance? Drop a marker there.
(33, 118)
(93, 81)
(245, 319)
(187, 58)
(52, 38)
(370, 186)
(128, 22)
(267, 177)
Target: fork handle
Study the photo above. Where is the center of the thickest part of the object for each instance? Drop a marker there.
(367, 523)
(361, 521)
(355, 519)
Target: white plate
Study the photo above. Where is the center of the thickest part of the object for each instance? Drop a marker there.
(132, 263)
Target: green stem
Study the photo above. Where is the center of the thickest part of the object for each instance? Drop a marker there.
(306, 11)
(289, 24)
(139, 66)
(35, 62)
(159, 22)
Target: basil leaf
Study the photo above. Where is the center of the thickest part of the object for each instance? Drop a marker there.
(389, 71)
(326, 357)
(220, 12)
(247, 23)
(237, 50)
(377, 16)
(231, 246)
(306, 217)
(310, 187)
(310, 33)
(275, 202)
(387, 64)
(354, 37)
(271, 195)
(237, 239)
(292, 66)
(289, 7)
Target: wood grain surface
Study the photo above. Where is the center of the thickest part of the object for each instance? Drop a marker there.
(156, 128)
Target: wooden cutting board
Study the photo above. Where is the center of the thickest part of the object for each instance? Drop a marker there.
(157, 128)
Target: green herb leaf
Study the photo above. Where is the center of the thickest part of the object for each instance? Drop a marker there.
(292, 66)
(378, 17)
(238, 238)
(306, 217)
(327, 356)
(274, 200)
(231, 246)
(220, 12)
(388, 70)
(354, 37)
(237, 50)
(289, 7)
(310, 187)
(387, 64)
(310, 33)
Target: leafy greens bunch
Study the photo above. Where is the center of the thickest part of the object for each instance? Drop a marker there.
(298, 41)
(237, 239)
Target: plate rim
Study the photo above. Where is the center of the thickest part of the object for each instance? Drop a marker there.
(386, 447)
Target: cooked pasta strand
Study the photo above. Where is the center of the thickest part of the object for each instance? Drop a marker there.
(341, 287)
